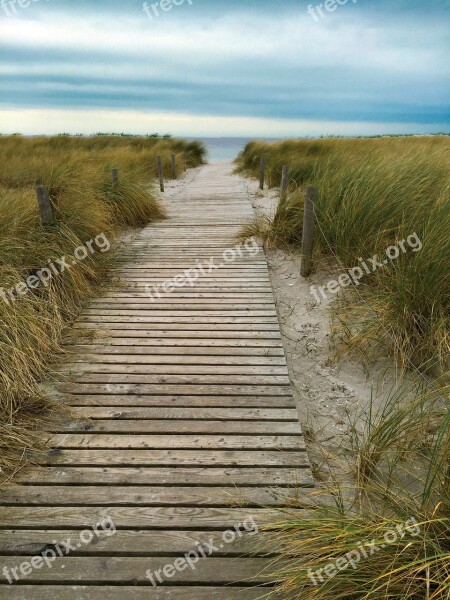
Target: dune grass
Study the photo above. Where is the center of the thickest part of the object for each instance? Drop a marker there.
(394, 523)
(87, 207)
(372, 194)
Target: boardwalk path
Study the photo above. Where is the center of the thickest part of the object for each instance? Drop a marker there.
(192, 421)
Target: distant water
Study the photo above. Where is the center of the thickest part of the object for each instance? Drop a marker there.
(226, 148)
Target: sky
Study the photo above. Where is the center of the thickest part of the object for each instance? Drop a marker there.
(225, 67)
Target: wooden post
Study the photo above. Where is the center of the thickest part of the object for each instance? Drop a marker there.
(45, 205)
(262, 170)
(115, 177)
(174, 166)
(185, 158)
(308, 231)
(284, 181)
(160, 173)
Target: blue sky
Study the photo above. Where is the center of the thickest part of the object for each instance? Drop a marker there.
(225, 67)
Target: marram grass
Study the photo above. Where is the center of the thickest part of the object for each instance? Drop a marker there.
(387, 537)
(373, 193)
(77, 172)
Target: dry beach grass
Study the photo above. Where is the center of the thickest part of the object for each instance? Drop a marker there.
(372, 193)
(77, 172)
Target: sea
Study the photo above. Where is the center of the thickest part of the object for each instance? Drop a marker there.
(226, 148)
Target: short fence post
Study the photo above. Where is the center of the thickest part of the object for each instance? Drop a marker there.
(262, 171)
(308, 231)
(115, 177)
(174, 166)
(160, 173)
(185, 158)
(45, 205)
(284, 181)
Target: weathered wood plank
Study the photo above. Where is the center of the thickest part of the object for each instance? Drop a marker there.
(168, 389)
(171, 458)
(175, 426)
(133, 543)
(145, 322)
(176, 441)
(133, 570)
(149, 317)
(201, 413)
(124, 402)
(167, 369)
(186, 352)
(182, 359)
(22, 495)
(265, 380)
(224, 476)
(217, 345)
(126, 517)
(64, 592)
(180, 295)
(180, 331)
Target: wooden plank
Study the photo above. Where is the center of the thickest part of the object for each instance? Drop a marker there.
(22, 495)
(144, 323)
(167, 369)
(201, 413)
(141, 338)
(204, 285)
(131, 517)
(123, 403)
(225, 279)
(199, 311)
(180, 266)
(132, 570)
(192, 458)
(176, 426)
(167, 389)
(103, 338)
(181, 379)
(179, 441)
(186, 350)
(129, 542)
(112, 298)
(148, 316)
(224, 476)
(63, 592)
(148, 379)
(219, 271)
(182, 359)
(123, 287)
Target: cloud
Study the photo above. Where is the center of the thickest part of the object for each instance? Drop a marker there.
(264, 59)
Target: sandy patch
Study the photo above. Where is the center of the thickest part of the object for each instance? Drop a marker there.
(331, 394)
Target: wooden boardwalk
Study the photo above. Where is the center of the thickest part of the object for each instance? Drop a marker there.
(191, 430)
